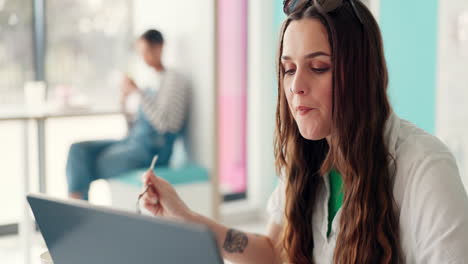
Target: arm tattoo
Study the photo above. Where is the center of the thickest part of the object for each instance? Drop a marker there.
(235, 242)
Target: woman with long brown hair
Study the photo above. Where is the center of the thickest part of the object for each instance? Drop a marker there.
(358, 184)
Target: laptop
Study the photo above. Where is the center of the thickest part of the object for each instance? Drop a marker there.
(79, 233)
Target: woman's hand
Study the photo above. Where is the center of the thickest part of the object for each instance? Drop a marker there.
(236, 246)
(161, 199)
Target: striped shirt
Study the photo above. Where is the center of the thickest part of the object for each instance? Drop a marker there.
(167, 108)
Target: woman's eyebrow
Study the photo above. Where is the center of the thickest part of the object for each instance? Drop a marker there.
(308, 56)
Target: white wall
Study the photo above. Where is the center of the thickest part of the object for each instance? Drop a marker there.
(188, 28)
(262, 43)
(452, 81)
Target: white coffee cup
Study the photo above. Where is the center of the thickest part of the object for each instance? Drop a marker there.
(46, 259)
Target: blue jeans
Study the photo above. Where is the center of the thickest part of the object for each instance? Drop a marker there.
(103, 159)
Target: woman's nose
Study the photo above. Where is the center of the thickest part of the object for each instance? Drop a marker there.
(299, 84)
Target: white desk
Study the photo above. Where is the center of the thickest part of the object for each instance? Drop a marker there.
(38, 116)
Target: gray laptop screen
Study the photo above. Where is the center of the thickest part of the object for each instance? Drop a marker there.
(78, 233)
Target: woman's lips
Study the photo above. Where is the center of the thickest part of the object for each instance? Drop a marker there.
(303, 110)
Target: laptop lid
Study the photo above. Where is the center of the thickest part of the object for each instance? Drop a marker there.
(79, 233)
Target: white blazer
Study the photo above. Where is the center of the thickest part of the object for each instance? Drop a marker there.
(428, 191)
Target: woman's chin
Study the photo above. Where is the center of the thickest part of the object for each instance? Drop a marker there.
(312, 135)
(313, 138)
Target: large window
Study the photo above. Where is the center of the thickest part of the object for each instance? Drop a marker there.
(16, 49)
(88, 44)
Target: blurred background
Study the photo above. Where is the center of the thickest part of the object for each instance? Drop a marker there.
(56, 51)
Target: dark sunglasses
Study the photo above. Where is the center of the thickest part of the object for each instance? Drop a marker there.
(291, 6)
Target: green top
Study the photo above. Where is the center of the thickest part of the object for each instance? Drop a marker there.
(336, 196)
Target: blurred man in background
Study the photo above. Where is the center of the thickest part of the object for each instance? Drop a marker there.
(159, 120)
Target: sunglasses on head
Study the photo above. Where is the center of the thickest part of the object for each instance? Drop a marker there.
(291, 6)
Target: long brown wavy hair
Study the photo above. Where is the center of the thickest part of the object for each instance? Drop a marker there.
(369, 227)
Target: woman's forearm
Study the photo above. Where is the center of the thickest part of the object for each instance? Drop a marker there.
(162, 200)
(240, 247)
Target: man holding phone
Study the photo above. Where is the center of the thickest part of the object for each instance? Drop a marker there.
(160, 119)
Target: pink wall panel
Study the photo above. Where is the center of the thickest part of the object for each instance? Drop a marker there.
(232, 85)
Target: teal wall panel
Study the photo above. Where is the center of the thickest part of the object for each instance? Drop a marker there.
(279, 16)
(409, 30)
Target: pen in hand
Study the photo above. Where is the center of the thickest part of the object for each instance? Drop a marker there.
(151, 168)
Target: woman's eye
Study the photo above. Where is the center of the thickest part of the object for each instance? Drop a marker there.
(320, 70)
(289, 72)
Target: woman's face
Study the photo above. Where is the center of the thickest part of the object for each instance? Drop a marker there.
(307, 66)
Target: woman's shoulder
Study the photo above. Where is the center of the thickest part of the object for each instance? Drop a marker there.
(421, 158)
(414, 146)
(431, 197)
(417, 142)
